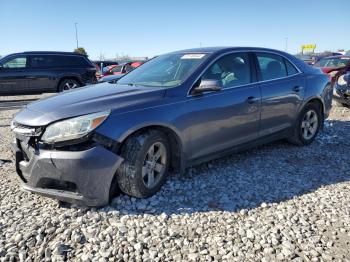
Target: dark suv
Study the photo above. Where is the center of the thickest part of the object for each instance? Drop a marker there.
(38, 72)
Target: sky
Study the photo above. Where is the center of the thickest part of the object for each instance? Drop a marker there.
(146, 28)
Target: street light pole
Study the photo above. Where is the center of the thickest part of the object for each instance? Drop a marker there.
(76, 34)
(286, 49)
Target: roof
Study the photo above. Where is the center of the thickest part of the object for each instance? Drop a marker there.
(52, 53)
(222, 48)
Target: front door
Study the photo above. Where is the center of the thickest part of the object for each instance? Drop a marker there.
(226, 118)
(13, 75)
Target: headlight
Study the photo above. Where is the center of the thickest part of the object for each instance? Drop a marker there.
(341, 80)
(73, 128)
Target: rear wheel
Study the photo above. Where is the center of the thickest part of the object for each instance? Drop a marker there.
(146, 163)
(309, 123)
(68, 84)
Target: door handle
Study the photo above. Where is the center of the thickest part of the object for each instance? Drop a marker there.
(297, 88)
(252, 99)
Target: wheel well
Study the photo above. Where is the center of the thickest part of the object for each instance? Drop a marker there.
(174, 142)
(320, 104)
(65, 78)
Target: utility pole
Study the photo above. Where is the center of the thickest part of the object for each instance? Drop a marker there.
(76, 34)
(286, 48)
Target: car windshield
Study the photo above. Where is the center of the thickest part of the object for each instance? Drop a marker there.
(333, 62)
(166, 71)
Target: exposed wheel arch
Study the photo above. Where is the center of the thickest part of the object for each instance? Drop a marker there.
(177, 159)
(318, 102)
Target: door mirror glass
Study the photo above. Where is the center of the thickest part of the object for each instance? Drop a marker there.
(208, 85)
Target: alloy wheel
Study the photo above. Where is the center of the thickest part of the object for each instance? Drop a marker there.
(69, 85)
(309, 125)
(154, 165)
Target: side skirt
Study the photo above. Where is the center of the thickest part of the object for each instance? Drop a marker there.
(260, 141)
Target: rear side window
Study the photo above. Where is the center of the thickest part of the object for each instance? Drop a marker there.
(72, 61)
(57, 61)
(18, 62)
(291, 70)
(43, 61)
(233, 70)
(271, 66)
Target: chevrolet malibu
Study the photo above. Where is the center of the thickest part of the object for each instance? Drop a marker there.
(176, 110)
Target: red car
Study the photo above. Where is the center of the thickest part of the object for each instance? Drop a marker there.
(122, 69)
(331, 63)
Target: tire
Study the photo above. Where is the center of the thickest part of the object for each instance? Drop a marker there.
(68, 84)
(306, 121)
(134, 176)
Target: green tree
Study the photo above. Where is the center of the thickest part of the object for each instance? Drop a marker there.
(80, 50)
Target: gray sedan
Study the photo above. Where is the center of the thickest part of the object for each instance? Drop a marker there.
(177, 110)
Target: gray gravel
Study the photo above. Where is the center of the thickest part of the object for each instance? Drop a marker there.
(275, 202)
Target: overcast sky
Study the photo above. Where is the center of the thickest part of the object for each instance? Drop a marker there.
(147, 28)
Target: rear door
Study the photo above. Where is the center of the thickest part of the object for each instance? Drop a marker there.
(282, 89)
(43, 73)
(13, 75)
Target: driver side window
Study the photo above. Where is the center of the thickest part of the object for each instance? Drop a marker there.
(232, 70)
(18, 62)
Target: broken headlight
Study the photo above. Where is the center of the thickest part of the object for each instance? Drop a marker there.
(73, 128)
(343, 80)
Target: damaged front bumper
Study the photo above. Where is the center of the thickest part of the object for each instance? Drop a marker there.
(81, 177)
(342, 95)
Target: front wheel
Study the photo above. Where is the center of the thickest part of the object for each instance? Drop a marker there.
(146, 163)
(308, 125)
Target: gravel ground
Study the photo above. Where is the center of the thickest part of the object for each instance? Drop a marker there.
(24, 97)
(275, 202)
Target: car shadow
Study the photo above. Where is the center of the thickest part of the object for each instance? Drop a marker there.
(257, 177)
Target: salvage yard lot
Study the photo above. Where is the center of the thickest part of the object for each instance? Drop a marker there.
(277, 201)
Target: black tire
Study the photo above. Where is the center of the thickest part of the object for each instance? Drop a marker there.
(134, 152)
(297, 136)
(68, 84)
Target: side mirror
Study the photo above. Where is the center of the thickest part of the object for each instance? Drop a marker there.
(207, 85)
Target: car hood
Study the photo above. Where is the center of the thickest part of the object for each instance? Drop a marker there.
(90, 99)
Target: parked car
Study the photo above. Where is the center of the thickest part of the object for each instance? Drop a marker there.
(177, 110)
(103, 64)
(317, 57)
(122, 69)
(38, 72)
(330, 63)
(341, 93)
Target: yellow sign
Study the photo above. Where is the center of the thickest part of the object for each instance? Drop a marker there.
(308, 47)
